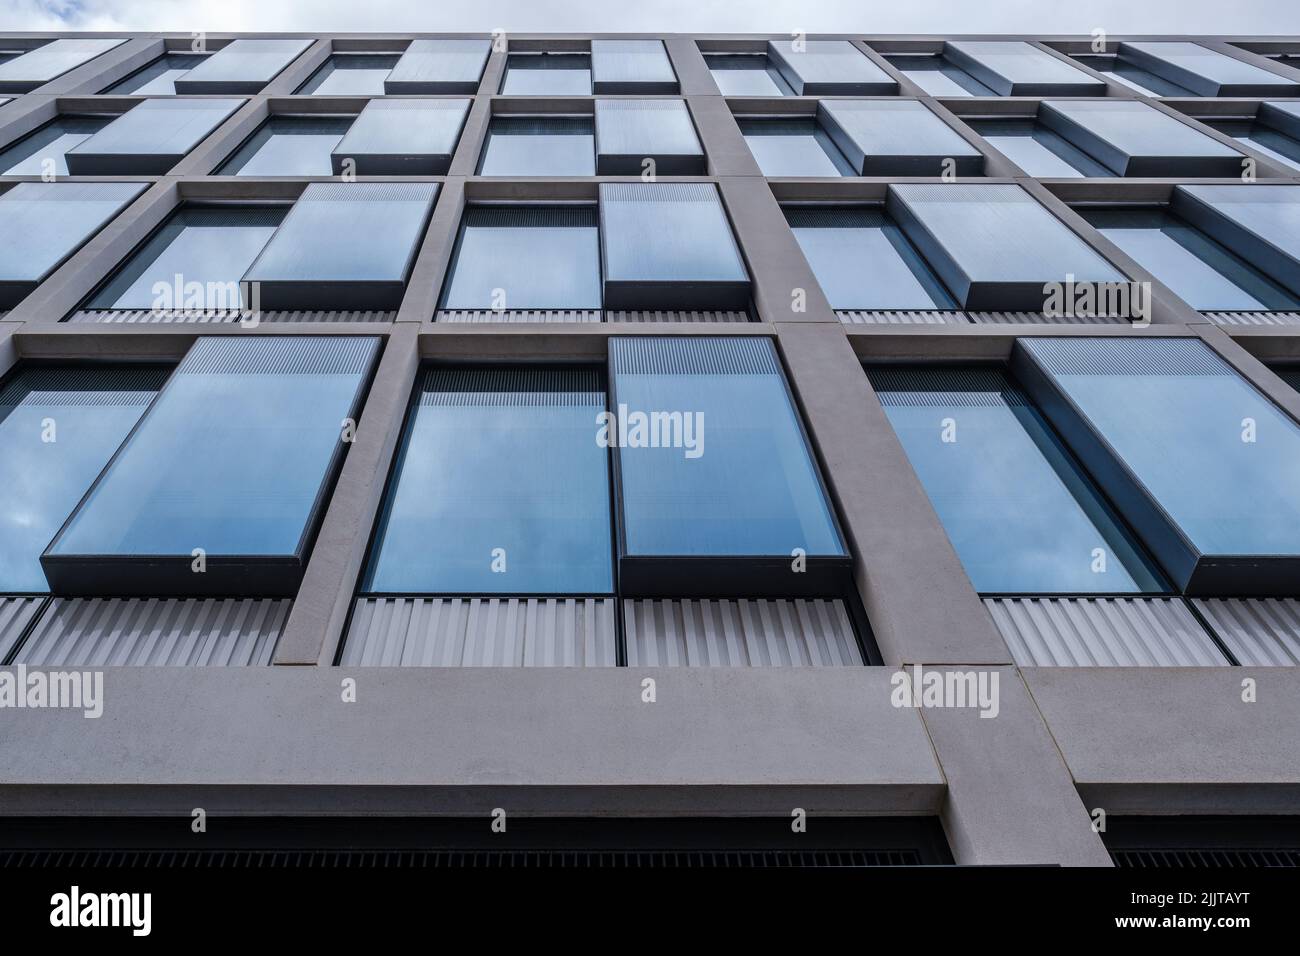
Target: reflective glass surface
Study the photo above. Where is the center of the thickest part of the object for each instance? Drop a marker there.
(746, 74)
(159, 77)
(1038, 150)
(351, 74)
(28, 156)
(289, 146)
(539, 146)
(547, 74)
(793, 147)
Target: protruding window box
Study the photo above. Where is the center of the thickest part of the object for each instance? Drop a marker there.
(344, 246)
(44, 63)
(632, 67)
(897, 138)
(629, 132)
(242, 66)
(669, 246)
(829, 68)
(1260, 223)
(1018, 68)
(402, 138)
(220, 488)
(439, 66)
(150, 138)
(1204, 71)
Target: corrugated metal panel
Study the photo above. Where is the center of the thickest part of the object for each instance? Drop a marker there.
(912, 317)
(699, 355)
(172, 632)
(1253, 318)
(477, 316)
(159, 317)
(1036, 318)
(481, 632)
(15, 614)
(1260, 632)
(675, 315)
(740, 633)
(1103, 632)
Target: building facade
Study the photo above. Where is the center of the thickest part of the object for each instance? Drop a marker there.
(882, 445)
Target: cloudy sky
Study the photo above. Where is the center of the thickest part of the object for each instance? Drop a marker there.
(682, 16)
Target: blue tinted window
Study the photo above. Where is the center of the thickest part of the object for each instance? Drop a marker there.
(631, 66)
(547, 74)
(1260, 138)
(746, 74)
(1196, 267)
(721, 466)
(539, 146)
(45, 62)
(938, 76)
(442, 65)
(159, 77)
(1174, 414)
(232, 456)
(58, 428)
(352, 74)
(862, 260)
(289, 146)
(28, 156)
(1020, 514)
(526, 257)
(242, 66)
(1133, 76)
(461, 506)
(793, 147)
(1038, 150)
(208, 248)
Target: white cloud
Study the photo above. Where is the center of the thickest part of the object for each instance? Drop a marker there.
(680, 16)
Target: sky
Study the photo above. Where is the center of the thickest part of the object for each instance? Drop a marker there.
(676, 16)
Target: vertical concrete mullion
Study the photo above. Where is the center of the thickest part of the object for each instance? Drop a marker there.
(320, 610)
(299, 70)
(431, 262)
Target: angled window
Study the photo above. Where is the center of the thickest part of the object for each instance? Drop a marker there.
(1200, 463)
(150, 138)
(539, 146)
(289, 146)
(829, 68)
(313, 261)
(712, 463)
(1131, 75)
(37, 67)
(631, 66)
(1275, 131)
(43, 151)
(59, 425)
(746, 74)
(937, 75)
(629, 132)
(547, 74)
(351, 74)
(1021, 514)
(1205, 274)
(242, 66)
(897, 138)
(862, 260)
(1018, 68)
(195, 261)
(42, 224)
(402, 137)
(1203, 71)
(159, 77)
(1260, 223)
(993, 245)
(1036, 149)
(525, 257)
(439, 66)
(669, 246)
(462, 518)
(793, 147)
(235, 458)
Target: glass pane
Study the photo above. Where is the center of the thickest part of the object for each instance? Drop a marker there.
(41, 224)
(1173, 412)
(1020, 513)
(796, 147)
(242, 66)
(1136, 139)
(1196, 267)
(631, 66)
(1260, 223)
(862, 260)
(58, 428)
(1017, 68)
(896, 138)
(289, 146)
(352, 74)
(829, 67)
(938, 76)
(1037, 150)
(1260, 138)
(28, 156)
(526, 257)
(45, 62)
(1204, 71)
(1133, 77)
(547, 74)
(439, 66)
(629, 131)
(195, 261)
(539, 146)
(159, 77)
(746, 74)
(463, 518)
(403, 137)
(712, 458)
(233, 455)
(151, 137)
